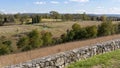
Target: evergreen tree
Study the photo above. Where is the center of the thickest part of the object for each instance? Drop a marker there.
(36, 19)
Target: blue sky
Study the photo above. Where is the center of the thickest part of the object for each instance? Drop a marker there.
(62, 6)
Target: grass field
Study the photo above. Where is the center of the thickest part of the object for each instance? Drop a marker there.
(108, 60)
(57, 28)
(13, 32)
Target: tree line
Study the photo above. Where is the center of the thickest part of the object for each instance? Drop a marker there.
(36, 39)
(19, 19)
(81, 33)
(37, 18)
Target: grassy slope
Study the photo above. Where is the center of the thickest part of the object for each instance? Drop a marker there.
(56, 28)
(107, 60)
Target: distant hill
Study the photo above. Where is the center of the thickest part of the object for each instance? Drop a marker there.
(108, 15)
(98, 15)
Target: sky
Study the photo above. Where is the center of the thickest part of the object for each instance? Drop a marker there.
(61, 6)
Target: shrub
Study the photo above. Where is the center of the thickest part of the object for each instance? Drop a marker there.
(76, 27)
(4, 49)
(82, 34)
(91, 31)
(24, 41)
(118, 28)
(8, 42)
(75, 31)
(57, 40)
(35, 39)
(115, 29)
(105, 28)
(47, 38)
(31, 41)
(70, 35)
(64, 38)
(5, 46)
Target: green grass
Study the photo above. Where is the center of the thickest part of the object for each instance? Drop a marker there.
(107, 60)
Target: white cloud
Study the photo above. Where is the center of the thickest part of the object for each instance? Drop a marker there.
(54, 2)
(79, 0)
(39, 3)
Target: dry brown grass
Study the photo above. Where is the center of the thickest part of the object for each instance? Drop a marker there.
(25, 56)
(50, 20)
(57, 28)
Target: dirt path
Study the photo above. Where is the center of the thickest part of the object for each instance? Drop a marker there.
(25, 56)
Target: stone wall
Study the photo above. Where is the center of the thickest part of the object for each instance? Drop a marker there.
(62, 59)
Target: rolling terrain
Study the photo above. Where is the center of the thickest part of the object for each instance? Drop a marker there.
(14, 31)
